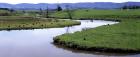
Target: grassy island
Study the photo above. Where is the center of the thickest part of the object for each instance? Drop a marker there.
(22, 22)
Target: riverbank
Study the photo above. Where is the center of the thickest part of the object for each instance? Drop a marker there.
(21, 23)
(121, 37)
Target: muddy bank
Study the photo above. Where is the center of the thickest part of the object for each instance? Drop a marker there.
(97, 49)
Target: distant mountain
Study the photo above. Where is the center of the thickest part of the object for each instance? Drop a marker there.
(97, 5)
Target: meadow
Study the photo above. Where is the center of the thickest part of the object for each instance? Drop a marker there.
(121, 37)
(99, 14)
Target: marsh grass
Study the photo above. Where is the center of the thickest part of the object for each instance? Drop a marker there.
(9, 23)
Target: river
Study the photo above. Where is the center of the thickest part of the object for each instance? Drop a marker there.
(38, 42)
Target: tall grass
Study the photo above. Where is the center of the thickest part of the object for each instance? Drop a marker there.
(9, 23)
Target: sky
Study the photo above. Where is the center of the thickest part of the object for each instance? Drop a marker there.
(61, 1)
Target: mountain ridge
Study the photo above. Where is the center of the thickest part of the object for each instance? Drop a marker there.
(97, 5)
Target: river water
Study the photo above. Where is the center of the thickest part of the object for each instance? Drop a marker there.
(38, 42)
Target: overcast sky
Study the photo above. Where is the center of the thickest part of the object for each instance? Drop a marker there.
(61, 1)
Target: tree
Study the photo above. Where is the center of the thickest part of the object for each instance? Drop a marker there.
(41, 11)
(69, 12)
(131, 7)
(59, 8)
(47, 12)
(11, 10)
(4, 9)
(24, 11)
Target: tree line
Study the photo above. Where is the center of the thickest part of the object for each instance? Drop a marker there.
(131, 7)
(42, 12)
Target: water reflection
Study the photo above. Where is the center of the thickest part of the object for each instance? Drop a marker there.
(38, 42)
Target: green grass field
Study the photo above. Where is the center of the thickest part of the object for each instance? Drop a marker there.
(122, 37)
(22, 22)
(90, 13)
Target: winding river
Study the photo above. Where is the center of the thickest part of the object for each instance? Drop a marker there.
(38, 42)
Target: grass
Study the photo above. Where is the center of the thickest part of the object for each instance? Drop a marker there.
(122, 37)
(3, 11)
(99, 14)
(22, 22)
